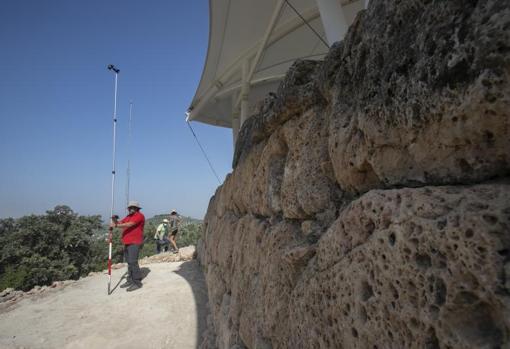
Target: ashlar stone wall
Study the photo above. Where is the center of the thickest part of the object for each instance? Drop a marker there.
(369, 206)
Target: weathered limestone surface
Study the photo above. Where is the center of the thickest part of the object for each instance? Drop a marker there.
(401, 268)
(369, 206)
(422, 97)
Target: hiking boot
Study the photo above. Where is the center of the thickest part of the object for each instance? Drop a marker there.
(134, 287)
(126, 284)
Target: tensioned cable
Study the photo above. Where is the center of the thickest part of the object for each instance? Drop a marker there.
(203, 152)
(308, 24)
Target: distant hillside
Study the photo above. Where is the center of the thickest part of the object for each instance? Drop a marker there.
(157, 219)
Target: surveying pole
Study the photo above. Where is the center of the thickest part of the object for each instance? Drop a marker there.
(113, 219)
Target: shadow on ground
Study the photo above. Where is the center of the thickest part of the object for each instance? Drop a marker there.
(145, 271)
(188, 271)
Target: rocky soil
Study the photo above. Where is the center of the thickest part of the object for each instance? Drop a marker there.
(369, 206)
(169, 311)
(9, 296)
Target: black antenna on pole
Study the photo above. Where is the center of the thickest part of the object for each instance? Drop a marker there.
(112, 67)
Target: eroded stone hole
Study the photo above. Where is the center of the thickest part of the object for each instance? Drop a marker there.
(366, 291)
(505, 253)
(354, 333)
(423, 261)
(490, 219)
(392, 239)
(440, 292)
(431, 342)
(414, 323)
(370, 227)
(489, 137)
(441, 224)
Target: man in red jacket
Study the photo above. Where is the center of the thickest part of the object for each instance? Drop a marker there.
(132, 238)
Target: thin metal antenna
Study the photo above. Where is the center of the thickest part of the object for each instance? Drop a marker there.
(129, 153)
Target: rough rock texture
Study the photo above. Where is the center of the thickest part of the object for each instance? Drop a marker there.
(369, 206)
(9, 297)
(431, 95)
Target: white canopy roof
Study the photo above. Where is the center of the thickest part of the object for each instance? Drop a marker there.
(263, 37)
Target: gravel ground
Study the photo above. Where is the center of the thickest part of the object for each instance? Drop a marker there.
(168, 312)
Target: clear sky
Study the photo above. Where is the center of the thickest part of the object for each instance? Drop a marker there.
(56, 104)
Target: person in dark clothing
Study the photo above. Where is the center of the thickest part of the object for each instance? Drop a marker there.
(132, 238)
(175, 221)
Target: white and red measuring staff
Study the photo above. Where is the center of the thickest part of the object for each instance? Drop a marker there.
(115, 219)
(111, 67)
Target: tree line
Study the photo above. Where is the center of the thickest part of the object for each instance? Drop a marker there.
(63, 245)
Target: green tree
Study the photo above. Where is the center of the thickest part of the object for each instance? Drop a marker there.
(61, 245)
(37, 250)
(189, 234)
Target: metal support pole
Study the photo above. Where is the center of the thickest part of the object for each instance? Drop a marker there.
(250, 71)
(245, 90)
(236, 122)
(129, 154)
(114, 144)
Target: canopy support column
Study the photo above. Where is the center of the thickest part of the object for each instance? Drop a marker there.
(236, 122)
(333, 19)
(245, 90)
(260, 51)
(235, 127)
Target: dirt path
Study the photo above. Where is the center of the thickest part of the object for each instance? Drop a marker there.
(168, 312)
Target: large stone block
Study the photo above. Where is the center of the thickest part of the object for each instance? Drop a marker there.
(410, 268)
(357, 215)
(420, 94)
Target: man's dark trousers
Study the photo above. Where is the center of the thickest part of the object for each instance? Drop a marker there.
(162, 244)
(131, 257)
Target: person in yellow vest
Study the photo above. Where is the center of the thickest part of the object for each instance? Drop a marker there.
(161, 236)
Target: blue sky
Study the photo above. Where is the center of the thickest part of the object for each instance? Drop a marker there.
(56, 103)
